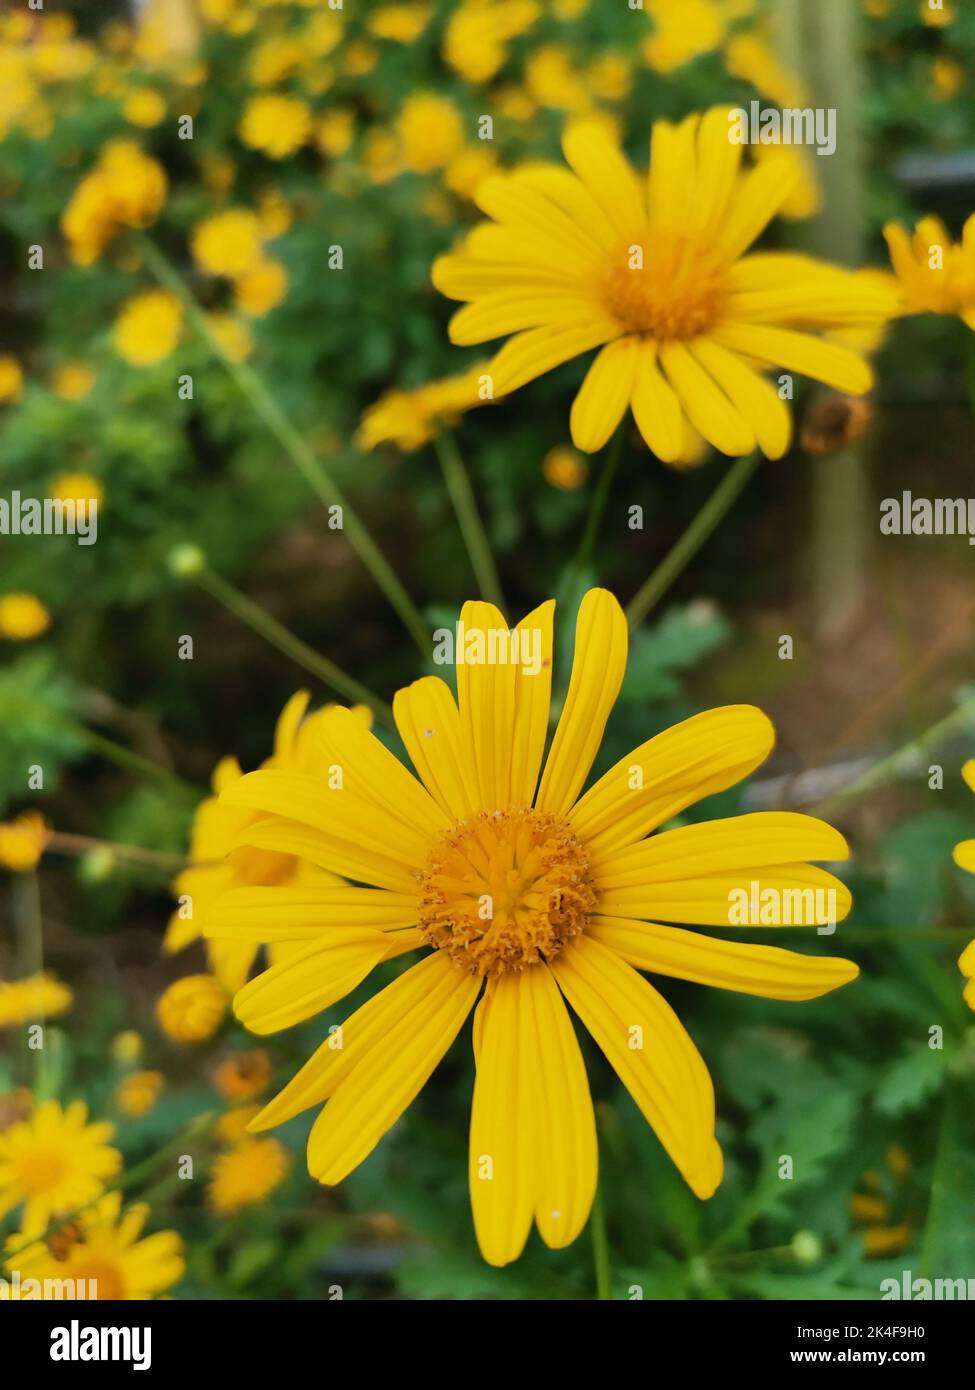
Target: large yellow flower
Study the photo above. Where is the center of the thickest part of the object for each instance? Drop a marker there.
(217, 866)
(964, 856)
(935, 274)
(535, 893)
(54, 1161)
(105, 1248)
(655, 274)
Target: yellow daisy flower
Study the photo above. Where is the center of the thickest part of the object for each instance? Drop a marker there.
(80, 488)
(136, 1095)
(935, 275)
(105, 1248)
(72, 381)
(246, 1174)
(11, 379)
(410, 419)
(22, 616)
(54, 1161)
(242, 1075)
(231, 1127)
(147, 327)
(192, 1009)
(538, 894)
(27, 1001)
(127, 1047)
(216, 865)
(430, 130)
(964, 857)
(23, 841)
(656, 275)
(275, 124)
(230, 242)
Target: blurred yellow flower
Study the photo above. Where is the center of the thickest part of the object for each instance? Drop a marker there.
(147, 327)
(655, 273)
(54, 1161)
(228, 243)
(11, 379)
(752, 58)
(552, 80)
(192, 1009)
(468, 167)
(477, 34)
(223, 856)
(103, 1252)
(410, 419)
(564, 468)
(610, 76)
(399, 23)
(136, 1095)
(22, 616)
(335, 131)
(380, 156)
(144, 107)
(76, 487)
(681, 33)
(935, 275)
(218, 171)
(127, 1047)
(937, 14)
(72, 381)
(276, 59)
(262, 288)
(247, 1174)
(234, 337)
(231, 1127)
(964, 857)
(947, 77)
(39, 996)
(275, 124)
(274, 213)
(430, 131)
(359, 58)
(127, 188)
(242, 1075)
(324, 32)
(798, 169)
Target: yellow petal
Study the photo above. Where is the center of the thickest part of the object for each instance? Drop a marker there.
(759, 196)
(964, 855)
(514, 310)
(605, 171)
(288, 723)
(829, 363)
(968, 772)
(539, 350)
(754, 398)
(966, 961)
(650, 1051)
(766, 971)
(429, 725)
(391, 1073)
(696, 758)
(260, 915)
(604, 395)
(598, 665)
(309, 981)
(705, 405)
(656, 409)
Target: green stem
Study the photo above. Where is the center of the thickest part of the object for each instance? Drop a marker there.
(305, 460)
(611, 462)
(62, 843)
(939, 1184)
(676, 561)
(890, 767)
(468, 518)
(26, 894)
(600, 1249)
(274, 632)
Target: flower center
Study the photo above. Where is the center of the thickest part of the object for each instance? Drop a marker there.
(40, 1171)
(505, 889)
(105, 1275)
(671, 289)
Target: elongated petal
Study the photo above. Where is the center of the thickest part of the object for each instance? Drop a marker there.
(766, 971)
(598, 665)
(604, 395)
(390, 1074)
(306, 914)
(651, 1053)
(755, 399)
(607, 174)
(829, 363)
(694, 759)
(539, 350)
(310, 980)
(706, 406)
(656, 408)
(429, 724)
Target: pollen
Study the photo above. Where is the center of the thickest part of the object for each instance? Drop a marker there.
(505, 889)
(670, 290)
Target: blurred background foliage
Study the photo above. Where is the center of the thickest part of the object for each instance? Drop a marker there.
(848, 1086)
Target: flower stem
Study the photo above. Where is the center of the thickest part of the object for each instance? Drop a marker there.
(26, 911)
(63, 843)
(600, 1249)
(274, 632)
(468, 518)
(305, 460)
(611, 462)
(675, 562)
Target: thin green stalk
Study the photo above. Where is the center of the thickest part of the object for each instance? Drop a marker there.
(305, 460)
(600, 1249)
(468, 518)
(274, 632)
(939, 1184)
(890, 767)
(706, 522)
(611, 462)
(26, 894)
(62, 843)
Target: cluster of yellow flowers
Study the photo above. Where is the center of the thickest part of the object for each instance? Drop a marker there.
(127, 188)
